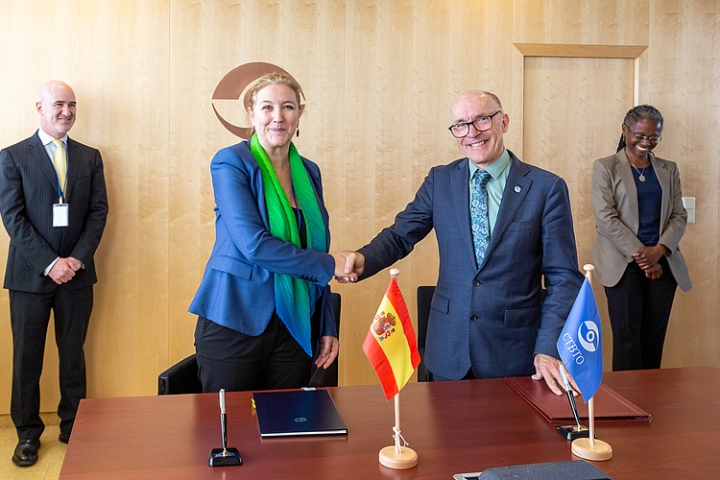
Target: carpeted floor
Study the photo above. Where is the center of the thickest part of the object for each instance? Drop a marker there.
(51, 452)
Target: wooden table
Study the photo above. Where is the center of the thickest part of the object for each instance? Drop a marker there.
(462, 426)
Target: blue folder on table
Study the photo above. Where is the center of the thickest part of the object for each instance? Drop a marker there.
(297, 412)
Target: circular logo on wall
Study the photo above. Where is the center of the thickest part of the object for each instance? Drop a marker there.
(234, 83)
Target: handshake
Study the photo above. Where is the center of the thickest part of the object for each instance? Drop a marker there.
(348, 266)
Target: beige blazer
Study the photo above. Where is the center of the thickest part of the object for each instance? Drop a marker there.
(615, 205)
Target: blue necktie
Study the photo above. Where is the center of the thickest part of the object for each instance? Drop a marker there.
(479, 214)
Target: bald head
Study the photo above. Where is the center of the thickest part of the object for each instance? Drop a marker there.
(472, 95)
(48, 89)
(56, 106)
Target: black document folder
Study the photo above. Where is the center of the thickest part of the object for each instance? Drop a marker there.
(297, 412)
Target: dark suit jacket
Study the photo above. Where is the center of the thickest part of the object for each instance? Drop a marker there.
(237, 289)
(492, 318)
(28, 190)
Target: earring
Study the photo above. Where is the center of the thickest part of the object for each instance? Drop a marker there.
(252, 131)
(297, 132)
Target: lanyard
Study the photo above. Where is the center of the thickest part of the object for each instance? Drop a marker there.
(60, 190)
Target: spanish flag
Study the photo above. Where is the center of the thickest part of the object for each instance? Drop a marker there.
(390, 345)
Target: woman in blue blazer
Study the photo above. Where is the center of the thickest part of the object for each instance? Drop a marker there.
(264, 299)
(640, 218)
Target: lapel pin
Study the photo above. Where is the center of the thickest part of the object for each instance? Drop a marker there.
(517, 188)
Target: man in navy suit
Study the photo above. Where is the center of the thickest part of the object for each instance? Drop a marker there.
(489, 318)
(54, 212)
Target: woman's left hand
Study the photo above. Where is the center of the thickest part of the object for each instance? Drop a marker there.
(329, 347)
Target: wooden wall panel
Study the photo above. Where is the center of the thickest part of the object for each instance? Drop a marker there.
(115, 56)
(603, 22)
(683, 81)
(380, 77)
(577, 106)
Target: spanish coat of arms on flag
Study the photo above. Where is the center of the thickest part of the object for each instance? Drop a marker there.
(390, 344)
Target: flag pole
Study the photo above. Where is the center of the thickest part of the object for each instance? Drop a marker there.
(398, 456)
(591, 403)
(398, 447)
(589, 448)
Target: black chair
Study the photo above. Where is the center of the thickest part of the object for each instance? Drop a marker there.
(180, 378)
(424, 301)
(183, 377)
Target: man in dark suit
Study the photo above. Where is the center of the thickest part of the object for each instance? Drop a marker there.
(54, 207)
(500, 239)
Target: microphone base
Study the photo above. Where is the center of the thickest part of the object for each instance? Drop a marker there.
(230, 457)
(571, 432)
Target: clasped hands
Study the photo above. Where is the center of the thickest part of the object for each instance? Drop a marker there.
(647, 258)
(64, 270)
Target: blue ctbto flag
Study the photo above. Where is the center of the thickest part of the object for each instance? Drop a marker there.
(580, 343)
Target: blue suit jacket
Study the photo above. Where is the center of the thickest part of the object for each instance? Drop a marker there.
(492, 318)
(237, 289)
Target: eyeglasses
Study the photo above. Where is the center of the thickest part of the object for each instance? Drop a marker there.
(481, 124)
(652, 139)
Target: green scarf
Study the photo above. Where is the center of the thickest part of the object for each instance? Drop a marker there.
(294, 298)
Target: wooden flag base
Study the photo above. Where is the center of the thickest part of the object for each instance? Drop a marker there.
(598, 451)
(391, 458)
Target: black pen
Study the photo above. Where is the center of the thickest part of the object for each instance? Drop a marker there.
(570, 396)
(223, 421)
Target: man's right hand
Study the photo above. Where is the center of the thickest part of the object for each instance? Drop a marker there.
(63, 271)
(353, 267)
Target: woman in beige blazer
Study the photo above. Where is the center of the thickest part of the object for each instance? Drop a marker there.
(640, 219)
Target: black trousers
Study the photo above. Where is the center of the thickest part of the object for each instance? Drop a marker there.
(234, 361)
(29, 318)
(639, 311)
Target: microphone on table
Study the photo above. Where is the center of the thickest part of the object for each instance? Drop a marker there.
(223, 457)
(571, 432)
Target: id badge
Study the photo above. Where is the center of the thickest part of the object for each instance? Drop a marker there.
(60, 214)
